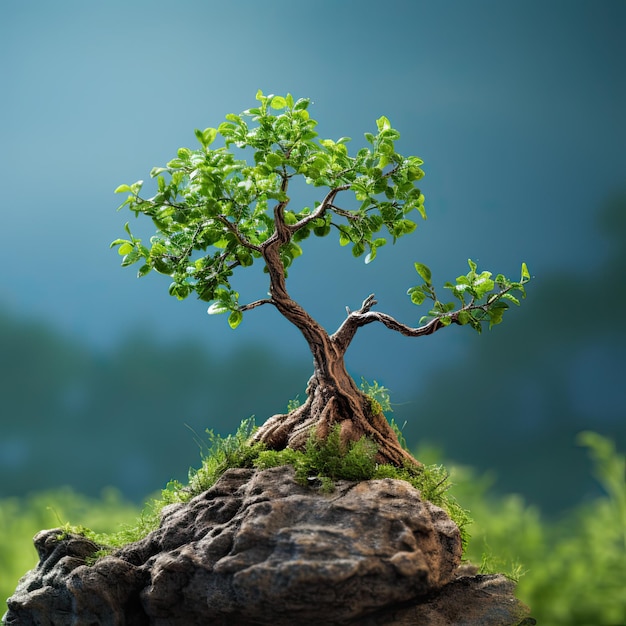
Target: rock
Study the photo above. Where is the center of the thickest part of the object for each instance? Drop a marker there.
(258, 548)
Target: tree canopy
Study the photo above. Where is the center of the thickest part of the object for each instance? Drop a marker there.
(218, 209)
(213, 211)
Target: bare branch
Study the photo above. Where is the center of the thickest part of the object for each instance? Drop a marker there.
(255, 304)
(392, 171)
(342, 212)
(393, 324)
(282, 232)
(345, 333)
(326, 204)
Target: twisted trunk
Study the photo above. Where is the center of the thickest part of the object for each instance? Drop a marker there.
(332, 395)
(333, 398)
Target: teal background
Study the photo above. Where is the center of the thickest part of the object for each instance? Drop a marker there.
(516, 109)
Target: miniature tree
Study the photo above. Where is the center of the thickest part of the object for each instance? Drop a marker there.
(215, 212)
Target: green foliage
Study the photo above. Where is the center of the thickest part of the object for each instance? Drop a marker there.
(398, 432)
(221, 454)
(330, 458)
(378, 395)
(571, 572)
(214, 211)
(482, 298)
(293, 404)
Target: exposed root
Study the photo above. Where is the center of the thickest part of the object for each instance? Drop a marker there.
(326, 407)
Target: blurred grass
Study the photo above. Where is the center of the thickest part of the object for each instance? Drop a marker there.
(21, 518)
(572, 570)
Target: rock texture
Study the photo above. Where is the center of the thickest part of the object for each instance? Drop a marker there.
(258, 549)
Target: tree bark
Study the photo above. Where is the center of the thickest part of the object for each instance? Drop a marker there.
(332, 395)
(332, 400)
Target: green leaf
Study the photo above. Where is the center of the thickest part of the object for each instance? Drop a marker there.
(245, 258)
(180, 290)
(344, 238)
(143, 270)
(132, 257)
(278, 102)
(383, 123)
(273, 160)
(463, 317)
(217, 308)
(209, 135)
(417, 295)
(495, 316)
(358, 249)
(525, 272)
(483, 284)
(123, 189)
(424, 272)
(301, 234)
(371, 255)
(408, 226)
(206, 137)
(512, 298)
(125, 248)
(235, 318)
(226, 129)
(322, 231)
(301, 104)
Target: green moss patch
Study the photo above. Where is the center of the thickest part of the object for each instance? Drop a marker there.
(322, 462)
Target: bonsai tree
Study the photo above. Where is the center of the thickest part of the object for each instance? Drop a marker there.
(217, 213)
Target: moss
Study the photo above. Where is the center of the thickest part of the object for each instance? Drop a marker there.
(326, 461)
(332, 459)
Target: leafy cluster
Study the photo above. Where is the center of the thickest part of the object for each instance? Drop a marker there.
(481, 297)
(214, 211)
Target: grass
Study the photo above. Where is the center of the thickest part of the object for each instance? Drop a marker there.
(325, 461)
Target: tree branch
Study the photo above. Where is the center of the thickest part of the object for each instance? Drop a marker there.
(345, 333)
(255, 304)
(326, 204)
(232, 227)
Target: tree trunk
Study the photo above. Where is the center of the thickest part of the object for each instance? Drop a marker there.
(332, 396)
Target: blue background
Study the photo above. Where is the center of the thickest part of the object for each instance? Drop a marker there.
(517, 109)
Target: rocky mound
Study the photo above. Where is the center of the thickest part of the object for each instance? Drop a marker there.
(258, 548)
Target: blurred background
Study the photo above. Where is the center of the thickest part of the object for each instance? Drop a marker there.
(517, 109)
